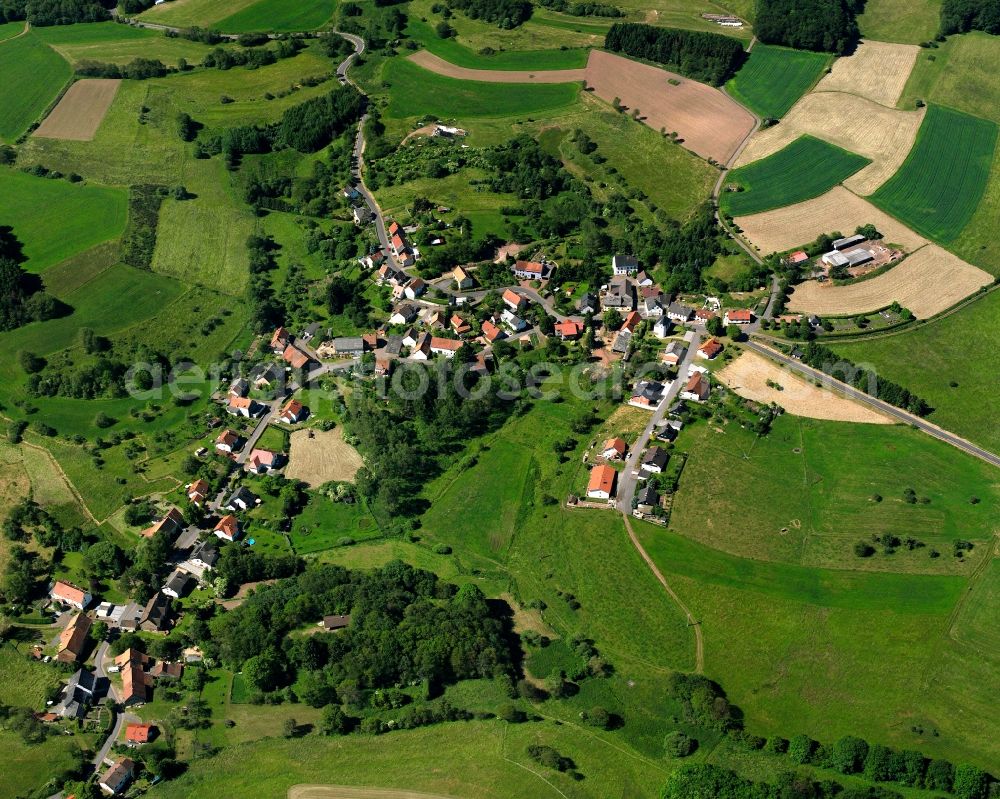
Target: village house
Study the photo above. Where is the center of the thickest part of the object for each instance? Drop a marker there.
(697, 388)
(136, 684)
(491, 332)
(197, 492)
(373, 260)
(394, 346)
(116, 779)
(674, 353)
(654, 460)
(157, 613)
(513, 300)
(619, 296)
(651, 308)
(463, 280)
(239, 387)
(414, 288)
(383, 366)
(569, 330)
(124, 617)
(243, 406)
(432, 317)
(515, 323)
(73, 639)
(387, 273)
(77, 695)
(588, 304)
(647, 394)
(710, 349)
(631, 322)
(403, 314)
(703, 315)
(624, 264)
(281, 339)
(614, 449)
(676, 312)
(602, 482)
(177, 584)
(662, 327)
(138, 734)
(646, 499)
(737, 316)
(643, 280)
(350, 347)
(622, 341)
(227, 441)
(263, 460)
(228, 528)
(201, 560)
(69, 594)
(335, 622)
(170, 524)
(445, 346)
(532, 270)
(459, 325)
(242, 499)
(293, 412)
(265, 375)
(421, 349)
(295, 357)
(362, 215)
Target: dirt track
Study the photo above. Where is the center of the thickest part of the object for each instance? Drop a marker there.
(749, 374)
(79, 113)
(711, 124)
(928, 282)
(441, 67)
(351, 792)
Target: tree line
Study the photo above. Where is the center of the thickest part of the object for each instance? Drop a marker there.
(42, 13)
(828, 26)
(22, 295)
(960, 16)
(709, 57)
(505, 14)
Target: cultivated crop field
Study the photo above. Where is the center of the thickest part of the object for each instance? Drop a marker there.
(939, 186)
(774, 78)
(707, 121)
(33, 73)
(883, 135)
(84, 215)
(80, 111)
(929, 281)
(837, 210)
(806, 168)
(877, 71)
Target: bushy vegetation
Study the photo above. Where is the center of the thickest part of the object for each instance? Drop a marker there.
(583, 9)
(139, 239)
(829, 26)
(708, 57)
(22, 298)
(55, 12)
(960, 16)
(505, 14)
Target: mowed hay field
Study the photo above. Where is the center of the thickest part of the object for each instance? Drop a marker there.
(317, 457)
(203, 13)
(883, 135)
(957, 349)
(774, 78)
(837, 210)
(35, 207)
(760, 379)
(347, 792)
(111, 42)
(279, 16)
(33, 73)
(906, 21)
(435, 64)
(938, 188)
(80, 111)
(929, 281)
(806, 168)
(877, 71)
(710, 122)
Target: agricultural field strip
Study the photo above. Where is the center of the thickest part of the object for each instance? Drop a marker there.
(876, 71)
(774, 78)
(429, 61)
(80, 111)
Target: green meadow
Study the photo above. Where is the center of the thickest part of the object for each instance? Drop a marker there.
(932, 357)
(33, 75)
(8, 30)
(114, 43)
(34, 207)
(900, 20)
(806, 168)
(414, 91)
(202, 13)
(938, 188)
(279, 16)
(774, 78)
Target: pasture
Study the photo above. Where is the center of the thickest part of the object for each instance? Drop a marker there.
(279, 16)
(324, 524)
(939, 185)
(414, 91)
(774, 78)
(33, 74)
(900, 20)
(928, 282)
(111, 42)
(202, 13)
(8, 30)
(954, 349)
(806, 168)
(80, 111)
(34, 207)
(24, 768)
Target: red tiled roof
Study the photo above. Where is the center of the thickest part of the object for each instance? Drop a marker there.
(512, 298)
(703, 314)
(229, 526)
(602, 478)
(569, 328)
(532, 267)
(445, 344)
(239, 402)
(227, 437)
(491, 331)
(139, 733)
(617, 444)
(711, 348)
(292, 408)
(631, 322)
(69, 592)
(199, 488)
(280, 336)
(295, 357)
(740, 314)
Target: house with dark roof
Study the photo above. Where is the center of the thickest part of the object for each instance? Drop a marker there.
(335, 622)
(157, 613)
(655, 460)
(588, 304)
(647, 394)
(178, 584)
(117, 778)
(242, 499)
(676, 312)
(647, 499)
(624, 264)
(77, 695)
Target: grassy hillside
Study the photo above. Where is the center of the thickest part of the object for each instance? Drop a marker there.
(774, 78)
(806, 168)
(937, 189)
(33, 74)
(35, 207)
(900, 20)
(279, 16)
(119, 44)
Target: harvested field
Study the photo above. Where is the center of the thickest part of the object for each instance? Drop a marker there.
(79, 113)
(318, 457)
(877, 71)
(710, 123)
(837, 210)
(881, 134)
(928, 282)
(750, 374)
(428, 60)
(349, 792)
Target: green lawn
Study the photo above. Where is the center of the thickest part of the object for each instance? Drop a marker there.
(938, 188)
(900, 20)
(774, 78)
(959, 349)
(323, 524)
(414, 91)
(279, 16)
(455, 53)
(33, 75)
(820, 478)
(24, 681)
(806, 168)
(83, 215)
